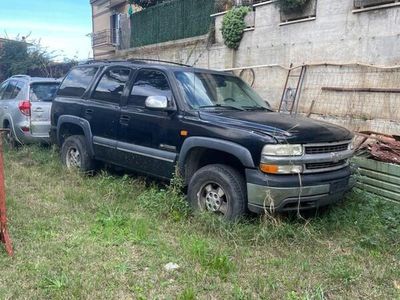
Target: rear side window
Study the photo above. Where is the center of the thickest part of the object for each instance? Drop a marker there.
(44, 91)
(112, 85)
(8, 93)
(77, 82)
(17, 89)
(3, 87)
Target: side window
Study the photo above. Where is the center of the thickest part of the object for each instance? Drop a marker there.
(77, 82)
(149, 83)
(18, 87)
(3, 89)
(8, 93)
(111, 85)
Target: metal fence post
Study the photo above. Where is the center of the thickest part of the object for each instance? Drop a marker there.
(4, 236)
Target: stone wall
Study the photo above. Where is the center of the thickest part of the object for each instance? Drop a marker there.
(337, 35)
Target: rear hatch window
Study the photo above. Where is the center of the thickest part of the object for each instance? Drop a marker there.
(43, 91)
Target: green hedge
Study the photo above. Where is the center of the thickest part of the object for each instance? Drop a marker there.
(171, 21)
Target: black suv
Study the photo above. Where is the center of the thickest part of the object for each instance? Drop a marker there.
(233, 151)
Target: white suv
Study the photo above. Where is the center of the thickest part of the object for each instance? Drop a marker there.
(25, 104)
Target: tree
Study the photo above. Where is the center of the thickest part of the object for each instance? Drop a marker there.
(17, 57)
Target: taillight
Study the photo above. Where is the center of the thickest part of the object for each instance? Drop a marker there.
(25, 108)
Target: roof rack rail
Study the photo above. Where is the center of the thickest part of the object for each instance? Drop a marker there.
(94, 61)
(158, 60)
(20, 76)
(132, 60)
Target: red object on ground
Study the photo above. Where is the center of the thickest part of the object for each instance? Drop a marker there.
(4, 236)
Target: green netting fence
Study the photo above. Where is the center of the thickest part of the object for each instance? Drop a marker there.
(171, 21)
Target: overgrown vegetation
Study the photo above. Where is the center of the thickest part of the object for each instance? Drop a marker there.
(23, 57)
(292, 5)
(110, 236)
(233, 26)
(146, 3)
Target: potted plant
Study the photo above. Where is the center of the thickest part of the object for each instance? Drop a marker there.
(297, 9)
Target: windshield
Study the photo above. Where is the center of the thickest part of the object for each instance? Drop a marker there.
(205, 90)
(43, 91)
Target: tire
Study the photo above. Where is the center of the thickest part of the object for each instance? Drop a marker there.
(74, 154)
(10, 139)
(220, 189)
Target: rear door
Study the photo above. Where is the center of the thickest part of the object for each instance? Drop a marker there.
(7, 98)
(3, 87)
(102, 110)
(41, 95)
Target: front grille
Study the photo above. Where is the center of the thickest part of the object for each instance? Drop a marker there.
(325, 165)
(326, 148)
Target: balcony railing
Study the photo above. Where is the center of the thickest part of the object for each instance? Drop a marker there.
(105, 38)
(369, 3)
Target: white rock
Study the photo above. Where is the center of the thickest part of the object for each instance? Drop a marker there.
(171, 266)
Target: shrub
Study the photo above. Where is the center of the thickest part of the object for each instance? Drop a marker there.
(233, 26)
(145, 3)
(292, 5)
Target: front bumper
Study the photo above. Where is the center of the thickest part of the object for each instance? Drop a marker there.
(293, 192)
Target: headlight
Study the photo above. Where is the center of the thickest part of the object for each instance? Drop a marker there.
(281, 169)
(282, 150)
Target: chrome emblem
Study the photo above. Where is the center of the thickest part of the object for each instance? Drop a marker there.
(335, 157)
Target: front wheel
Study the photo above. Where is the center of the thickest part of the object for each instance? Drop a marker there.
(74, 154)
(220, 189)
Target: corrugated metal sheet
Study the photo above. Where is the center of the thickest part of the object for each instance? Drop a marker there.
(382, 179)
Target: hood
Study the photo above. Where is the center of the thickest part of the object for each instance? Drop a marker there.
(283, 127)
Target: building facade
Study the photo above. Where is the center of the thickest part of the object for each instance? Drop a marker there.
(110, 27)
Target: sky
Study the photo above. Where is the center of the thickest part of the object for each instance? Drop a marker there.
(60, 25)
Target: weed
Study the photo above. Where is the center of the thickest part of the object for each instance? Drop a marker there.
(110, 236)
(55, 282)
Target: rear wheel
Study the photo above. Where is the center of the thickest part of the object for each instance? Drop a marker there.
(74, 154)
(219, 189)
(9, 138)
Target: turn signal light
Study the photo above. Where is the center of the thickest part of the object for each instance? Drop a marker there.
(270, 169)
(280, 169)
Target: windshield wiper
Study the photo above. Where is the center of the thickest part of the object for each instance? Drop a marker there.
(221, 106)
(250, 108)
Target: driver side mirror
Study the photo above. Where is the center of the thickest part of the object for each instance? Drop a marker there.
(157, 103)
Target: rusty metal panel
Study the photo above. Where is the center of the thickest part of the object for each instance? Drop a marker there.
(380, 178)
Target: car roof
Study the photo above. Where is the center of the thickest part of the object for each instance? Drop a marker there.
(161, 65)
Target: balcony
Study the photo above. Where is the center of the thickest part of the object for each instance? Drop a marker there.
(106, 39)
(108, 3)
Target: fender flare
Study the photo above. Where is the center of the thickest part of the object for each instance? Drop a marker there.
(234, 149)
(82, 123)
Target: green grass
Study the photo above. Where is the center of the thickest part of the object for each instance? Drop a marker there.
(109, 236)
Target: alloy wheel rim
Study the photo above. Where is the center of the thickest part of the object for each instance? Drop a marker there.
(73, 158)
(213, 198)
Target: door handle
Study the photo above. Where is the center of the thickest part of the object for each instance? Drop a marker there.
(5, 107)
(124, 120)
(88, 111)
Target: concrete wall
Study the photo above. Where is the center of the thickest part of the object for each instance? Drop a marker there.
(338, 34)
